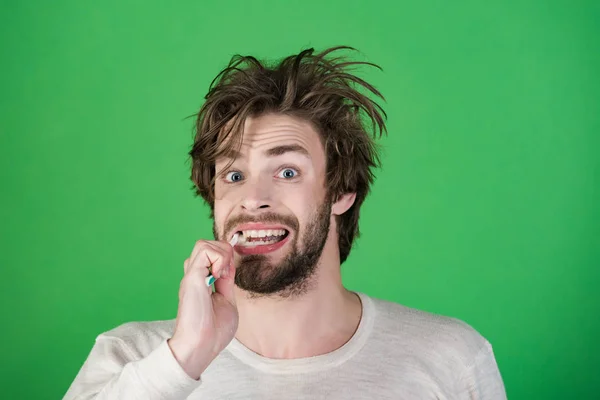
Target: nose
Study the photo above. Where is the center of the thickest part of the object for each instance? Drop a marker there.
(256, 197)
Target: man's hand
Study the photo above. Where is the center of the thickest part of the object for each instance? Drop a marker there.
(206, 321)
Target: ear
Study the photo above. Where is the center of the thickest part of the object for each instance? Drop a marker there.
(343, 203)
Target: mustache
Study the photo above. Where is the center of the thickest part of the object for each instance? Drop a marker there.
(273, 218)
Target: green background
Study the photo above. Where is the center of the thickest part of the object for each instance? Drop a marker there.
(487, 208)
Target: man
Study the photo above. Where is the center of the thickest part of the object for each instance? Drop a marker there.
(283, 158)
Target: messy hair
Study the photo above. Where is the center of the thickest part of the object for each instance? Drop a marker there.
(317, 88)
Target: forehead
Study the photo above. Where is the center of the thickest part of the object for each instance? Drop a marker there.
(268, 131)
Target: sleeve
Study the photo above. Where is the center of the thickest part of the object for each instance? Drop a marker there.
(482, 380)
(111, 371)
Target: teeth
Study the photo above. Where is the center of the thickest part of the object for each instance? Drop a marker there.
(258, 243)
(262, 233)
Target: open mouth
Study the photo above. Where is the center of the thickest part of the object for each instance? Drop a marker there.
(253, 238)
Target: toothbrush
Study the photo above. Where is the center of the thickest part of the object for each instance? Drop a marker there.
(210, 279)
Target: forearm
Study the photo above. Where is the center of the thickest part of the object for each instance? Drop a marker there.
(157, 376)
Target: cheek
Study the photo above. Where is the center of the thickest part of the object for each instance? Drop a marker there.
(222, 196)
(304, 206)
(222, 209)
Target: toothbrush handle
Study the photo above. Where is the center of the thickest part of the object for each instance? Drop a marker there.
(210, 280)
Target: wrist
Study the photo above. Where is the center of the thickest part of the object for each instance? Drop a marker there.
(193, 359)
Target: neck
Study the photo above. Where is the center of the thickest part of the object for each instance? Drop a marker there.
(317, 322)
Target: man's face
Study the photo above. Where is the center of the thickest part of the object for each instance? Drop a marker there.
(274, 194)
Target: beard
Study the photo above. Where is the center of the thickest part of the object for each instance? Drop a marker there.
(289, 277)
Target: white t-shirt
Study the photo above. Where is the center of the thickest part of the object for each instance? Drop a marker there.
(396, 353)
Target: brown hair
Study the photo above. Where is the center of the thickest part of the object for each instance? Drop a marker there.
(314, 87)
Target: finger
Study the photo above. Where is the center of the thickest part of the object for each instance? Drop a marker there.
(186, 265)
(223, 246)
(216, 245)
(199, 254)
(226, 284)
(198, 246)
(215, 259)
(227, 250)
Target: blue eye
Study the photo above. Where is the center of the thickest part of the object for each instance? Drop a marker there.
(288, 173)
(234, 176)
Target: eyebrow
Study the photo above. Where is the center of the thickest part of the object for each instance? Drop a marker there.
(290, 148)
(272, 152)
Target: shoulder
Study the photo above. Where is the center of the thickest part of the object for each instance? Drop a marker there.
(145, 329)
(446, 336)
(433, 348)
(139, 337)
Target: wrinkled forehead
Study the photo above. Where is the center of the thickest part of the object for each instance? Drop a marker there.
(269, 132)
